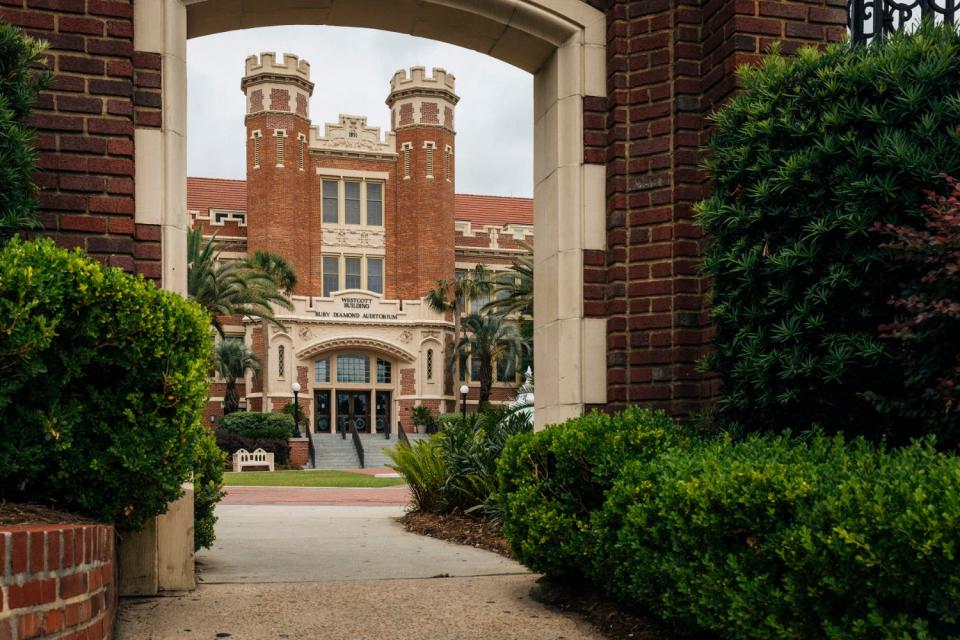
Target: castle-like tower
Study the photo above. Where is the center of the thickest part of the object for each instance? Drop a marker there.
(279, 185)
(421, 110)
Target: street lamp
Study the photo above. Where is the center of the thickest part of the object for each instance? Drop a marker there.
(464, 390)
(296, 409)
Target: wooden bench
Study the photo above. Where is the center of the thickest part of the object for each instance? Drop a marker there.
(258, 458)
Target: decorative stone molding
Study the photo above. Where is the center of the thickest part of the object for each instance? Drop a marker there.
(364, 238)
(372, 344)
(351, 133)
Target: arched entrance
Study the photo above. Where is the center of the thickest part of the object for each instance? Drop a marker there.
(562, 42)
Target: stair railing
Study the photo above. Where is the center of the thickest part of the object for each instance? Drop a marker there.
(357, 444)
(402, 435)
(310, 448)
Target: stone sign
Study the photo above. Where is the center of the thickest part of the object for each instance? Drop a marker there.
(357, 307)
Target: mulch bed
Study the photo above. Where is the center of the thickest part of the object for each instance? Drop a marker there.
(457, 528)
(14, 513)
(612, 622)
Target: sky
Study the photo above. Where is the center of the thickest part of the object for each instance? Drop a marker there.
(352, 69)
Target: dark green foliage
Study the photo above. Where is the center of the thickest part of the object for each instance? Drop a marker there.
(230, 442)
(207, 489)
(299, 415)
(21, 78)
(551, 482)
(766, 537)
(456, 470)
(423, 419)
(259, 425)
(104, 380)
(816, 150)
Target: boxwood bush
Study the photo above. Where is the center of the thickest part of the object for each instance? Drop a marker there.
(767, 537)
(817, 150)
(259, 425)
(551, 482)
(207, 489)
(103, 386)
(230, 442)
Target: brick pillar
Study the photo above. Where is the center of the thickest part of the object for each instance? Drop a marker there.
(670, 63)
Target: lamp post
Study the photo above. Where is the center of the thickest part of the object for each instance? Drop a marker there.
(296, 409)
(464, 390)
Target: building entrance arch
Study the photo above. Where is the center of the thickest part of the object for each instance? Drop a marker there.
(561, 42)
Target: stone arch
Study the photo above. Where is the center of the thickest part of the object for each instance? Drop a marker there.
(365, 344)
(561, 42)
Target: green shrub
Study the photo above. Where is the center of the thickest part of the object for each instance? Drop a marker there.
(423, 419)
(773, 538)
(207, 489)
(298, 414)
(551, 482)
(230, 442)
(815, 151)
(20, 81)
(424, 466)
(259, 425)
(104, 383)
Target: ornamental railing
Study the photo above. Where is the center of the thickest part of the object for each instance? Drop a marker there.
(869, 19)
(357, 444)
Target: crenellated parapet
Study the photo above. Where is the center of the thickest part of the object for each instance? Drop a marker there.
(277, 86)
(418, 99)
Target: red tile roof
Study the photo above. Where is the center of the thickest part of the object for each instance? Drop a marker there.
(204, 194)
(494, 210)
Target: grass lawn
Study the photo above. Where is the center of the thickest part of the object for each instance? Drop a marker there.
(306, 479)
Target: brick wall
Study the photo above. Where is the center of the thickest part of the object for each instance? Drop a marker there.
(299, 451)
(670, 63)
(102, 88)
(57, 581)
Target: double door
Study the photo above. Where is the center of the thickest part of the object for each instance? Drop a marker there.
(353, 407)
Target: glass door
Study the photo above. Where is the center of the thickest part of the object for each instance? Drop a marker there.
(321, 400)
(353, 407)
(383, 412)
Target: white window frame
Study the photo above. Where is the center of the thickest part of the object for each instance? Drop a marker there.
(407, 150)
(430, 149)
(448, 163)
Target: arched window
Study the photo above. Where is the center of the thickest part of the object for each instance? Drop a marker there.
(281, 365)
(429, 364)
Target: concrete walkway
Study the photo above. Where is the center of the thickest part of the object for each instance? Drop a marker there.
(350, 572)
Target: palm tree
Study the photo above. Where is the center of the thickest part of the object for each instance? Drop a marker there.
(452, 296)
(274, 265)
(489, 341)
(513, 291)
(226, 289)
(232, 360)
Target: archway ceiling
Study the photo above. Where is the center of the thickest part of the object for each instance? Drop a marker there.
(524, 33)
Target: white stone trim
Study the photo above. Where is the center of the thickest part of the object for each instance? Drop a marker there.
(328, 172)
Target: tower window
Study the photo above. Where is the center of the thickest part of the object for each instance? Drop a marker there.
(429, 364)
(256, 149)
(352, 272)
(407, 148)
(351, 203)
(331, 201)
(303, 152)
(374, 203)
(375, 275)
(331, 275)
(448, 163)
(429, 146)
(281, 136)
(281, 365)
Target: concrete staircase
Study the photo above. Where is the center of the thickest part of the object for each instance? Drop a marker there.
(333, 452)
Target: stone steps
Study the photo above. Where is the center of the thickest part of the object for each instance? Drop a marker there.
(333, 452)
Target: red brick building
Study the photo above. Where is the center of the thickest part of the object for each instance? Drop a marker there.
(369, 222)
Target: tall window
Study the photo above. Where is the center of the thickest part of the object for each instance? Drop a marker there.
(447, 163)
(352, 272)
(331, 201)
(331, 274)
(281, 365)
(429, 364)
(281, 136)
(256, 148)
(321, 371)
(351, 203)
(474, 369)
(383, 371)
(406, 162)
(430, 147)
(303, 152)
(353, 368)
(375, 275)
(374, 203)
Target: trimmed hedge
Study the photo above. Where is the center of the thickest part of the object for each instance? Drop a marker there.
(769, 537)
(551, 482)
(103, 387)
(207, 489)
(230, 442)
(259, 425)
(818, 149)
